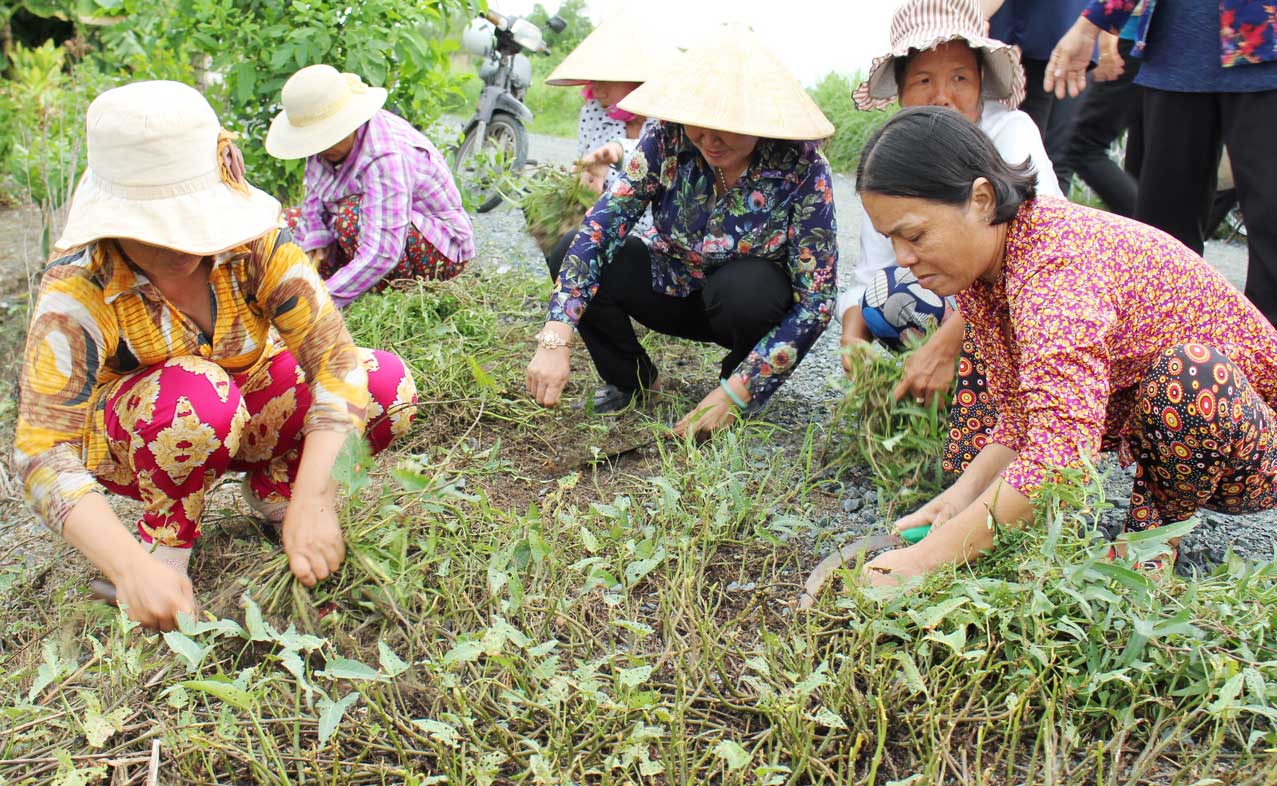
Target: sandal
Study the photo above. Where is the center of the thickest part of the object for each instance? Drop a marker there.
(611, 398)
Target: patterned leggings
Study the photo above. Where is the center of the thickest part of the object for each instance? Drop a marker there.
(1201, 436)
(172, 430)
(420, 259)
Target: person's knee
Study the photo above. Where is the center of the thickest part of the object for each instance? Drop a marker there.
(748, 292)
(392, 397)
(192, 417)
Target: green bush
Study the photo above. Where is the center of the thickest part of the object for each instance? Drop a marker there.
(852, 127)
(556, 109)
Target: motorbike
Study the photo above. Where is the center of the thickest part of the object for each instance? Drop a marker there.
(495, 138)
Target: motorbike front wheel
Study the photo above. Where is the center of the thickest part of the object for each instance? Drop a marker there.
(481, 164)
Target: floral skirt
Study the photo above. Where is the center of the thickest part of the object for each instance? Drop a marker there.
(172, 430)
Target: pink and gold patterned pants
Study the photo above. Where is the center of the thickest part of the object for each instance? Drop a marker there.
(172, 430)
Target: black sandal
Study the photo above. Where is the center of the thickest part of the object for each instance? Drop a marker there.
(611, 398)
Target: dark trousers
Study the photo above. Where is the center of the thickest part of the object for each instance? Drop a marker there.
(1182, 136)
(735, 308)
(1054, 118)
(1108, 109)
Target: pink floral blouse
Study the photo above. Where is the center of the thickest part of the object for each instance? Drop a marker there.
(1085, 303)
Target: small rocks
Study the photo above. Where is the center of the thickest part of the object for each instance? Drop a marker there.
(852, 504)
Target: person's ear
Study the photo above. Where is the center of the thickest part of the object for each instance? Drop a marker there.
(983, 206)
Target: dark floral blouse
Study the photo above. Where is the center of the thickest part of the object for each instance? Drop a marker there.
(781, 209)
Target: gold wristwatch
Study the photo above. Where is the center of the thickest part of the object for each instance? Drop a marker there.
(547, 339)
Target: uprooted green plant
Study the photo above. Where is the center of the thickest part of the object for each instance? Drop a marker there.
(554, 200)
(900, 441)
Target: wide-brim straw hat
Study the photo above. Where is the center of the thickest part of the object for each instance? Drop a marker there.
(322, 106)
(622, 49)
(155, 174)
(919, 25)
(732, 82)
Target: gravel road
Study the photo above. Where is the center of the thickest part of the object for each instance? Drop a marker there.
(808, 394)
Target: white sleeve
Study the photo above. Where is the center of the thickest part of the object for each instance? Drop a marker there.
(876, 254)
(1018, 138)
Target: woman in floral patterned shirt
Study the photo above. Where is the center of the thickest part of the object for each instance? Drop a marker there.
(152, 365)
(744, 251)
(1098, 333)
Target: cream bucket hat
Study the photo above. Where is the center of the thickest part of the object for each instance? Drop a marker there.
(621, 49)
(155, 175)
(919, 25)
(731, 82)
(321, 108)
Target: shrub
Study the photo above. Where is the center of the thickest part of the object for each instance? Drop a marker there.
(852, 127)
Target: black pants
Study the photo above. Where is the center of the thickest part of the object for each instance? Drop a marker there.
(1054, 118)
(735, 308)
(1108, 109)
(1182, 136)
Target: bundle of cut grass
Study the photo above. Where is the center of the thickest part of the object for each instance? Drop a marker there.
(901, 442)
(554, 201)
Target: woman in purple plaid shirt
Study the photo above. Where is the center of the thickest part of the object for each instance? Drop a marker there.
(380, 201)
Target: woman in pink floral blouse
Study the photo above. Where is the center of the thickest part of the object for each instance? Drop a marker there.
(1098, 332)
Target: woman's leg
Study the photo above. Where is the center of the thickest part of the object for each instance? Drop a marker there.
(1203, 438)
(895, 305)
(277, 398)
(973, 414)
(420, 259)
(625, 291)
(170, 433)
(743, 302)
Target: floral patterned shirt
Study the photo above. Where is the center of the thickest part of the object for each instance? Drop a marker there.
(1085, 303)
(97, 319)
(1247, 28)
(781, 209)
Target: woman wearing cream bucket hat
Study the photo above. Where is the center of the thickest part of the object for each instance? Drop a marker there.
(380, 201)
(744, 248)
(152, 368)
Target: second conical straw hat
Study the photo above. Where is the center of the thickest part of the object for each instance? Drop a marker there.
(732, 82)
(621, 49)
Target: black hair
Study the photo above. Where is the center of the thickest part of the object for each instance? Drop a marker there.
(901, 64)
(934, 153)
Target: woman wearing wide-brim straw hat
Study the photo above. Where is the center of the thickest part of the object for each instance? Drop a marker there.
(381, 203)
(153, 363)
(743, 252)
(939, 56)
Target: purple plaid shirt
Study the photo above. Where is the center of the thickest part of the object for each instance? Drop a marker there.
(402, 180)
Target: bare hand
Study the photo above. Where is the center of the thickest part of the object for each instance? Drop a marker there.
(550, 368)
(1111, 65)
(318, 256)
(936, 512)
(928, 374)
(715, 411)
(153, 594)
(856, 353)
(312, 538)
(595, 166)
(894, 567)
(1066, 70)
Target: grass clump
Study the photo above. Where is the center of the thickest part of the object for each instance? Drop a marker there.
(554, 201)
(852, 127)
(900, 442)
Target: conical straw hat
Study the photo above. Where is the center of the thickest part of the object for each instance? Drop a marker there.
(622, 49)
(732, 82)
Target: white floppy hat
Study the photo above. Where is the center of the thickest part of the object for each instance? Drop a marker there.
(321, 107)
(731, 82)
(919, 25)
(621, 49)
(155, 175)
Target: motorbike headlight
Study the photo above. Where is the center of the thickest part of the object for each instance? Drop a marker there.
(527, 35)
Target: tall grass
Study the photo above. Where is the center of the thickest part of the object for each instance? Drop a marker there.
(852, 127)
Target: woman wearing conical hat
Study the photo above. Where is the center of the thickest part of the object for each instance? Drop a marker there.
(182, 335)
(381, 203)
(744, 249)
(609, 64)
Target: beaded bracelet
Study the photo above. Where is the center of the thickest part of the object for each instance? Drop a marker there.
(741, 405)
